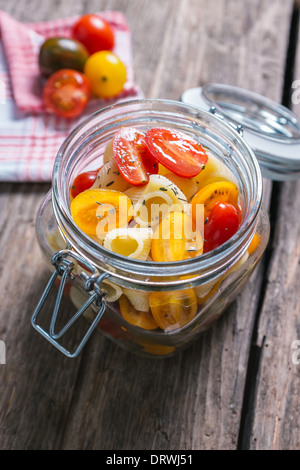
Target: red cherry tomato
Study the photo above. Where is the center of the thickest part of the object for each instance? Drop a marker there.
(66, 93)
(94, 33)
(132, 156)
(176, 151)
(83, 181)
(221, 225)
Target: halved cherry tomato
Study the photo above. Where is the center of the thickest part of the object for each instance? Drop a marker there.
(173, 309)
(132, 156)
(66, 93)
(83, 181)
(96, 211)
(144, 320)
(174, 239)
(221, 225)
(176, 151)
(94, 33)
(221, 191)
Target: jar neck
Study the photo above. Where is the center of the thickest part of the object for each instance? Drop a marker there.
(82, 147)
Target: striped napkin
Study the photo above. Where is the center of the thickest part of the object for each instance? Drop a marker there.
(29, 137)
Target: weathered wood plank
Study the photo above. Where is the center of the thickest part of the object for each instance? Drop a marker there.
(275, 414)
(107, 398)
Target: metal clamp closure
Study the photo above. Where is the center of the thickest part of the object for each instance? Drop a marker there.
(238, 128)
(63, 268)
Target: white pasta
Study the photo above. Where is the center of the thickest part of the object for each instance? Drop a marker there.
(108, 152)
(139, 299)
(151, 208)
(113, 291)
(203, 290)
(240, 263)
(134, 193)
(109, 177)
(131, 242)
(188, 186)
(159, 197)
(56, 241)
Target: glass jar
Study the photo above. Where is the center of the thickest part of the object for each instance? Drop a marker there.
(202, 286)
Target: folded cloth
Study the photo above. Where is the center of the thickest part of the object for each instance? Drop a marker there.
(30, 137)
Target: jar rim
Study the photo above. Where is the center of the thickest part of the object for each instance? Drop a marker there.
(177, 273)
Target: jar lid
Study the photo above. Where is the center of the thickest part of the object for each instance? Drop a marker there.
(270, 129)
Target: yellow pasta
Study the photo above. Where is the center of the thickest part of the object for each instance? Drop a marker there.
(214, 171)
(162, 170)
(109, 178)
(139, 299)
(132, 242)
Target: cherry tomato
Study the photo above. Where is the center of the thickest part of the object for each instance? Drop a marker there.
(83, 181)
(61, 53)
(254, 244)
(221, 225)
(176, 151)
(221, 191)
(107, 74)
(97, 211)
(174, 240)
(132, 156)
(173, 310)
(144, 320)
(94, 33)
(66, 93)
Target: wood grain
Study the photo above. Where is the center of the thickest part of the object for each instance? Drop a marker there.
(107, 398)
(275, 414)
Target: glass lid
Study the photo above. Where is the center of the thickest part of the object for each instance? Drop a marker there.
(270, 129)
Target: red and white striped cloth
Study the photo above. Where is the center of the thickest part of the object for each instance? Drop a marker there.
(29, 137)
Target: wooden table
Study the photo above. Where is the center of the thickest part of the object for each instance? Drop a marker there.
(237, 387)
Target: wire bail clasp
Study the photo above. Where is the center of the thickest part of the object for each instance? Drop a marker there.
(238, 128)
(64, 268)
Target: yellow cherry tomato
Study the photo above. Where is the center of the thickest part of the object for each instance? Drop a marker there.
(157, 349)
(144, 320)
(173, 310)
(175, 240)
(254, 244)
(221, 191)
(96, 211)
(106, 73)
